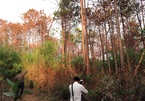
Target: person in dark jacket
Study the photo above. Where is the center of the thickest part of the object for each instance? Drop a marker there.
(20, 78)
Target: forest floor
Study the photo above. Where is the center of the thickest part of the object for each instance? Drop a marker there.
(28, 97)
(31, 95)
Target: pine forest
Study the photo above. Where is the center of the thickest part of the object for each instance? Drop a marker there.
(100, 41)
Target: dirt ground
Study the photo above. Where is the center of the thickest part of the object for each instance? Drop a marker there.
(25, 97)
(28, 97)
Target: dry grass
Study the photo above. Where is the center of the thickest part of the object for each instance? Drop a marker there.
(41, 76)
(44, 77)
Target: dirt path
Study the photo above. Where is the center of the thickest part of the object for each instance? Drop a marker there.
(28, 97)
(25, 97)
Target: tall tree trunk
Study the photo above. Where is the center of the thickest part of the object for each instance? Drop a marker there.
(142, 10)
(107, 57)
(113, 46)
(63, 39)
(119, 35)
(85, 38)
(102, 48)
(69, 54)
(91, 41)
(127, 49)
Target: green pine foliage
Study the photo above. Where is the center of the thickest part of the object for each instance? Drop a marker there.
(10, 62)
(47, 53)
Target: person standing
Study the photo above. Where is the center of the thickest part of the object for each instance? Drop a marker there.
(83, 96)
(76, 89)
(20, 78)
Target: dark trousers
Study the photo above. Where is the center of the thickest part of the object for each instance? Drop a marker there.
(21, 89)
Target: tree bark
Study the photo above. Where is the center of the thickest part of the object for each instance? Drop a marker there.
(63, 39)
(107, 56)
(127, 49)
(102, 48)
(85, 48)
(113, 46)
(119, 35)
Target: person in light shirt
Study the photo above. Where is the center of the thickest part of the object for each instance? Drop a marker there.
(76, 89)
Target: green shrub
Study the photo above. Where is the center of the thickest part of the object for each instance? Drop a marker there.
(10, 62)
(46, 53)
(95, 95)
(77, 63)
(15, 89)
(62, 91)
